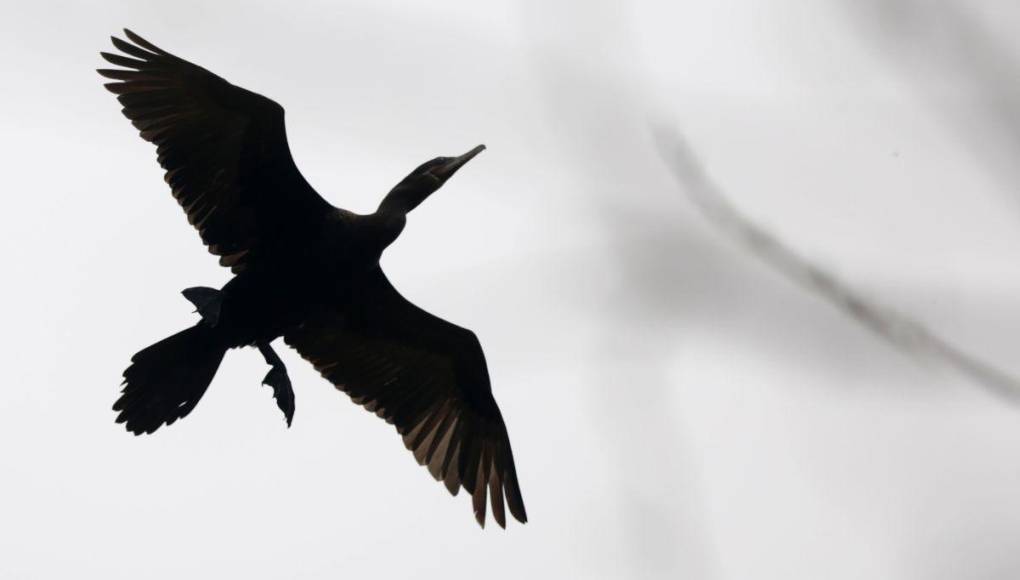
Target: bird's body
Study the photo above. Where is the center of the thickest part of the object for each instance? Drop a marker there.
(306, 271)
(262, 303)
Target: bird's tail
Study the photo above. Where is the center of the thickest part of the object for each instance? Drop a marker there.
(166, 380)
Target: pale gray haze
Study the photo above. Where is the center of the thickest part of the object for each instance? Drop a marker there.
(678, 407)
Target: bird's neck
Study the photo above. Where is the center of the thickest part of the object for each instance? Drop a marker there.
(402, 199)
(394, 205)
(387, 223)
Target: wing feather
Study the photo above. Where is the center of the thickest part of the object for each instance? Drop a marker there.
(428, 378)
(224, 151)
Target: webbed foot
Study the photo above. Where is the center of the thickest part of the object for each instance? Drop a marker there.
(278, 379)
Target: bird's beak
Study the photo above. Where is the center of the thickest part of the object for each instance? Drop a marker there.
(445, 171)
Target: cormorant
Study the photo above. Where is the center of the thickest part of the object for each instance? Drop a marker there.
(306, 271)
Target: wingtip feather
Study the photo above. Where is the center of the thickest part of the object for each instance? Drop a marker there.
(143, 43)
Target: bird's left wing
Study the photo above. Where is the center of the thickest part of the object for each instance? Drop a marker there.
(427, 377)
(224, 150)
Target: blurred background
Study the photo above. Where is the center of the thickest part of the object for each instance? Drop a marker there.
(679, 407)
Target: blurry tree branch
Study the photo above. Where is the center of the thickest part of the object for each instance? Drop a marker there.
(897, 329)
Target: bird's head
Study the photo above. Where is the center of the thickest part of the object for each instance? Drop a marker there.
(424, 181)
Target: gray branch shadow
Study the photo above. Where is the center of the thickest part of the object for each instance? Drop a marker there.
(893, 327)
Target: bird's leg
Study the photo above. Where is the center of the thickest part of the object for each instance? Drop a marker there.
(207, 302)
(277, 379)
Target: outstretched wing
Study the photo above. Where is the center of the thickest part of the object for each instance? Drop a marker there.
(224, 150)
(427, 377)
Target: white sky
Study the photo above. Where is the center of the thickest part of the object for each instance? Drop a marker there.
(676, 408)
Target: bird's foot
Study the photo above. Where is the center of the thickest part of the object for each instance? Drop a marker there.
(207, 302)
(278, 379)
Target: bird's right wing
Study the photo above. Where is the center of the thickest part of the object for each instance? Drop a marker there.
(427, 377)
(224, 150)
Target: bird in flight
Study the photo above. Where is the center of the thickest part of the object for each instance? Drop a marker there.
(307, 271)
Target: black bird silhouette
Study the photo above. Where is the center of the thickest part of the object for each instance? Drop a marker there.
(306, 271)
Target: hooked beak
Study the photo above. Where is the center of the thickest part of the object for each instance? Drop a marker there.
(444, 172)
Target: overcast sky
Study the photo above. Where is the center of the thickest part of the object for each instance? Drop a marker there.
(677, 408)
